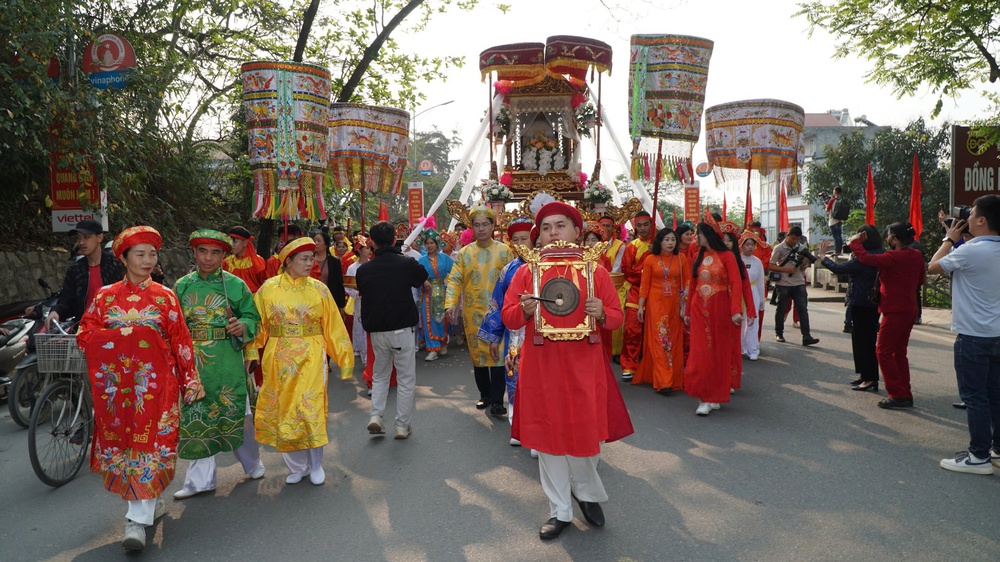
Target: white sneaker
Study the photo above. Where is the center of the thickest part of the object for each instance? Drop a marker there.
(995, 456)
(369, 392)
(444, 350)
(703, 409)
(258, 472)
(376, 426)
(135, 536)
(753, 357)
(716, 405)
(432, 356)
(966, 462)
(295, 477)
(403, 432)
(732, 390)
(317, 476)
(514, 442)
(534, 454)
(627, 376)
(185, 493)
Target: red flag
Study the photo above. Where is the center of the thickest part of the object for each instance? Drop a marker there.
(783, 222)
(674, 227)
(383, 210)
(870, 199)
(916, 190)
(725, 217)
(748, 214)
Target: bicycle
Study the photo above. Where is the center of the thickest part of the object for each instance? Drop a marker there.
(62, 421)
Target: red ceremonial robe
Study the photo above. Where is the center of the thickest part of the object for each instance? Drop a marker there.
(568, 401)
(714, 297)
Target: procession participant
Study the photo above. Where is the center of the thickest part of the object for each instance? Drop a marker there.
(567, 433)
(665, 279)
(492, 329)
(715, 305)
(326, 269)
(390, 316)
(359, 338)
(221, 317)
(687, 243)
(299, 327)
(635, 253)
(139, 359)
(763, 253)
(438, 266)
(286, 233)
(615, 253)
(750, 337)
(244, 262)
(472, 279)
(593, 234)
(730, 237)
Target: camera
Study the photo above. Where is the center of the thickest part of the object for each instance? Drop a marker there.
(961, 212)
(800, 253)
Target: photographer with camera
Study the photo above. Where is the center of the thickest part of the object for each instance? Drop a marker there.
(900, 271)
(788, 264)
(975, 311)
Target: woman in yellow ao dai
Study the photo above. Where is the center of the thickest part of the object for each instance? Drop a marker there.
(300, 325)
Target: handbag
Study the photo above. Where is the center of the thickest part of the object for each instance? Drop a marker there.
(874, 296)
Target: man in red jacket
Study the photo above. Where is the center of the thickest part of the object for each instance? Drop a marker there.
(566, 433)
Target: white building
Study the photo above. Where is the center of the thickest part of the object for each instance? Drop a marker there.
(821, 131)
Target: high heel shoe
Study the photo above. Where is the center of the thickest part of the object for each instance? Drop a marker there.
(856, 382)
(872, 387)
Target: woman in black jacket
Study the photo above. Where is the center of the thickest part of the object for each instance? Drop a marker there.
(863, 311)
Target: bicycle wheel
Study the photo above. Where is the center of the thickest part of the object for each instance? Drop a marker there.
(25, 386)
(59, 432)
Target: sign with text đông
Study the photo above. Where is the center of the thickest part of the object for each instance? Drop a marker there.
(692, 202)
(975, 167)
(415, 201)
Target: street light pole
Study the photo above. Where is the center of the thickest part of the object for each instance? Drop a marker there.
(416, 149)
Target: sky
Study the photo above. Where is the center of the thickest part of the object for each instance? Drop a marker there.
(761, 51)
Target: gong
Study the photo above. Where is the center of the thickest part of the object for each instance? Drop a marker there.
(560, 296)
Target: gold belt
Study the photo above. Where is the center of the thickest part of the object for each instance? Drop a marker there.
(208, 334)
(295, 330)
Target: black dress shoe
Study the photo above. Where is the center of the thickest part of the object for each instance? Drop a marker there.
(856, 382)
(872, 386)
(482, 404)
(592, 512)
(779, 338)
(552, 528)
(810, 341)
(848, 329)
(893, 403)
(665, 391)
(497, 410)
(959, 405)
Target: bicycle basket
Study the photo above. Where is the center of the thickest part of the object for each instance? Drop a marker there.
(58, 353)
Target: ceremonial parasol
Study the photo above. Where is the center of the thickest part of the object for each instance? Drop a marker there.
(668, 75)
(285, 105)
(368, 147)
(763, 135)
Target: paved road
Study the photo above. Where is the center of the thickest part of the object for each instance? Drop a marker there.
(797, 467)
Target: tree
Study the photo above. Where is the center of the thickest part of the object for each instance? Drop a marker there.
(945, 45)
(890, 152)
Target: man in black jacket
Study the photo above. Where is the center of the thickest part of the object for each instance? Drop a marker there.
(95, 268)
(389, 316)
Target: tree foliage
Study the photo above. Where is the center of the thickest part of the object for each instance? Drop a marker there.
(913, 43)
(890, 152)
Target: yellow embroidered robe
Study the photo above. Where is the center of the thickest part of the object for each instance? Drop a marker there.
(474, 273)
(300, 325)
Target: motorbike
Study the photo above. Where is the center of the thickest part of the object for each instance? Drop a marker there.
(20, 382)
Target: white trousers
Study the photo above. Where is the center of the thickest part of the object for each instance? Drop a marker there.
(394, 348)
(142, 511)
(200, 474)
(564, 476)
(751, 343)
(304, 461)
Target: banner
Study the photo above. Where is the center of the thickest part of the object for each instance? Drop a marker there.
(415, 200)
(692, 202)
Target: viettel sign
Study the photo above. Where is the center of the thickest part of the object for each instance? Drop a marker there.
(109, 61)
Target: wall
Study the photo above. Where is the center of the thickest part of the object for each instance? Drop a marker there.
(19, 271)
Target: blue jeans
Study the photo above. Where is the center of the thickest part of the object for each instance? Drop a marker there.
(977, 368)
(837, 231)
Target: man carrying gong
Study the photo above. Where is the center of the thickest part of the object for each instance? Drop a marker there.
(568, 399)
